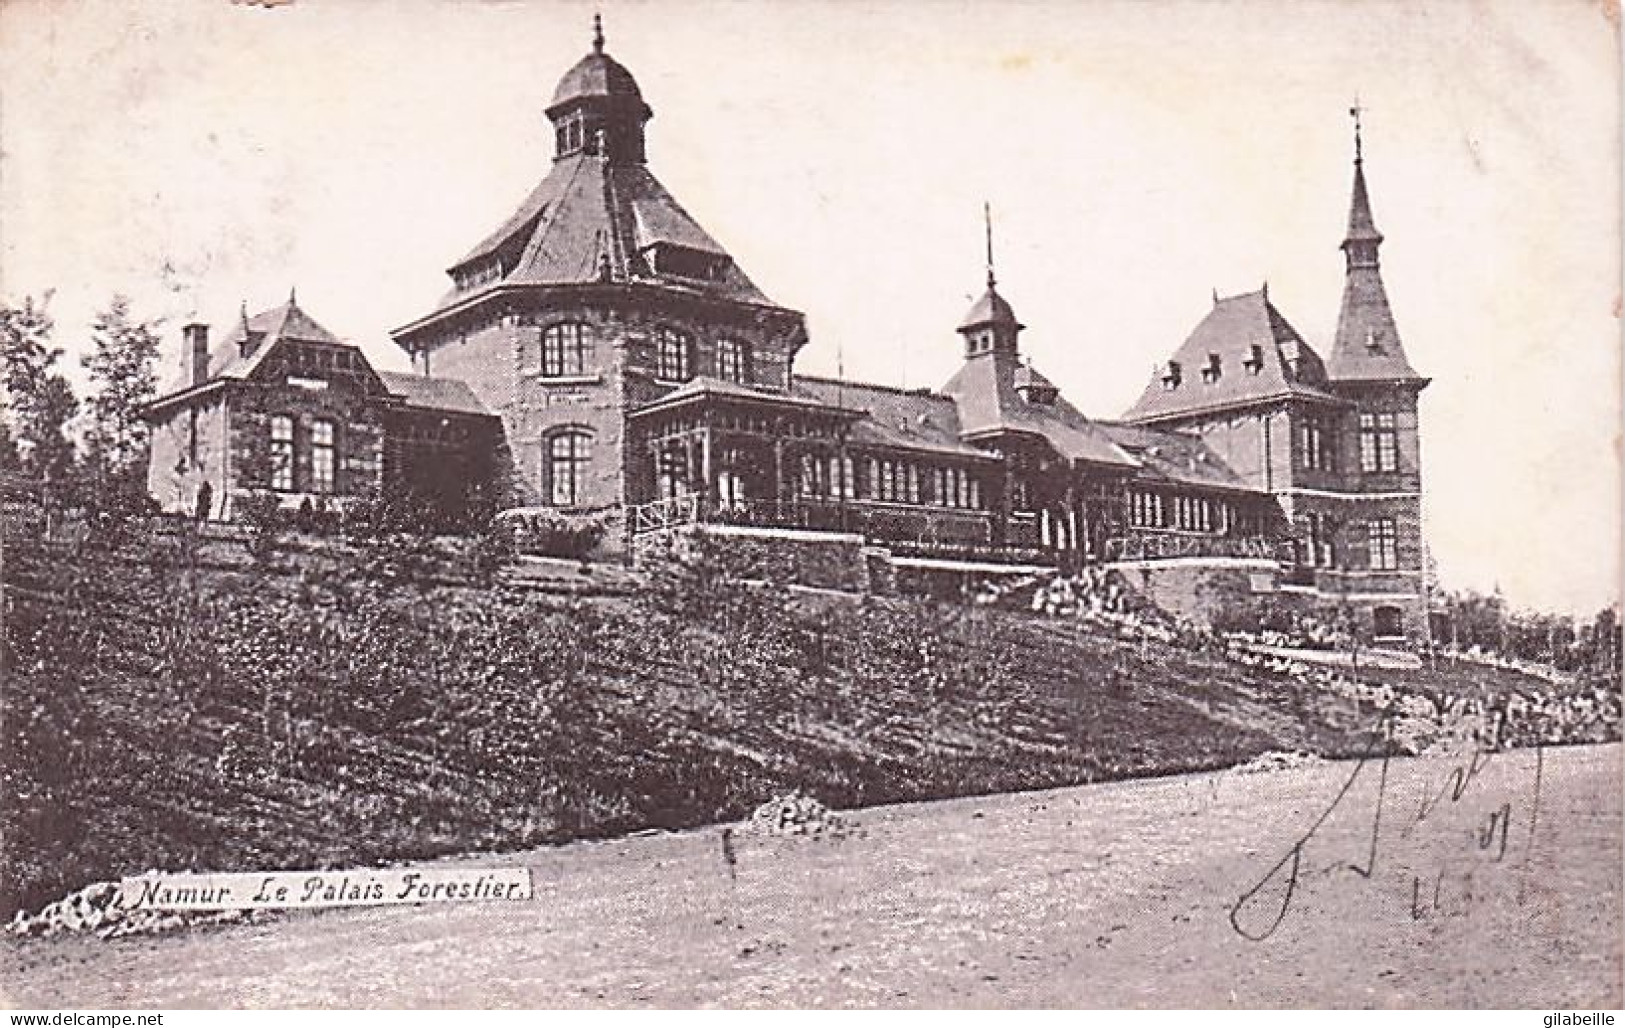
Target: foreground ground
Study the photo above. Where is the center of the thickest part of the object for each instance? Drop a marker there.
(1122, 894)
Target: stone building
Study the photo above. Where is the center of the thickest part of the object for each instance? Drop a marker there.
(601, 355)
(1336, 441)
(280, 407)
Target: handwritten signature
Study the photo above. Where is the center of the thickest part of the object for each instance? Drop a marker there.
(1256, 916)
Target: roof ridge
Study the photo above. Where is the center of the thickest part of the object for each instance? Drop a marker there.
(877, 386)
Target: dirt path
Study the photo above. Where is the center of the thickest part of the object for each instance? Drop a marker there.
(1110, 895)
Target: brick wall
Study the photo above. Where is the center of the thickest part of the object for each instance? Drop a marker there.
(1200, 589)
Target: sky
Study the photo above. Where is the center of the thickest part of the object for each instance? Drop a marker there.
(1137, 156)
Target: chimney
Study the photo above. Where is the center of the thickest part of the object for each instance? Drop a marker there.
(196, 338)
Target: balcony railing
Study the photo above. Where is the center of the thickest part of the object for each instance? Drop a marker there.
(661, 515)
(1150, 546)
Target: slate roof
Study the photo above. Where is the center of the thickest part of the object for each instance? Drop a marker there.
(596, 74)
(425, 393)
(590, 218)
(226, 360)
(1367, 346)
(1231, 329)
(984, 389)
(990, 309)
(1174, 457)
(904, 419)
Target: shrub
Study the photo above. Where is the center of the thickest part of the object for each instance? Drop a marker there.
(552, 534)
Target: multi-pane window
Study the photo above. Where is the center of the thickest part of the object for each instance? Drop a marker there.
(568, 455)
(1320, 546)
(1379, 443)
(733, 360)
(1193, 515)
(672, 354)
(322, 464)
(565, 350)
(894, 481)
(282, 453)
(1314, 450)
(1384, 543)
(843, 477)
(1145, 510)
(956, 488)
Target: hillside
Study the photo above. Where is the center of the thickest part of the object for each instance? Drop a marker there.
(161, 715)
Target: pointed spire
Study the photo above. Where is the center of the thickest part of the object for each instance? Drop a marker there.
(1366, 346)
(1355, 112)
(597, 33)
(1362, 227)
(987, 221)
(293, 296)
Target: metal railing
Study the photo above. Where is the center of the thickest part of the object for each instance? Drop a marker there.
(1150, 546)
(663, 515)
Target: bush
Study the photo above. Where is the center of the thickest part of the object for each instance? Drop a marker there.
(551, 534)
(263, 515)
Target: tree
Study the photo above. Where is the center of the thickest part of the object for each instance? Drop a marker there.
(122, 365)
(39, 403)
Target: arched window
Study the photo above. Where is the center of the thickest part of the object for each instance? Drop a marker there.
(733, 360)
(672, 350)
(322, 464)
(566, 350)
(282, 453)
(568, 455)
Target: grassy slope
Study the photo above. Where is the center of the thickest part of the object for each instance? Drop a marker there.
(222, 720)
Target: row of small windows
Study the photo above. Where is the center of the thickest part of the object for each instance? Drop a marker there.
(674, 357)
(1183, 513)
(565, 350)
(321, 442)
(888, 481)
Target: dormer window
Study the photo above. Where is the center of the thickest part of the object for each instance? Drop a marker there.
(1211, 373)
(1255, 360)
(1172, 376)
(683, 262)
(1373, 345)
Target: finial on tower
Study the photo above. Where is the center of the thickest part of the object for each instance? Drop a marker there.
(597, 33)
(293, 296)
(987, 221)
(1355, 112)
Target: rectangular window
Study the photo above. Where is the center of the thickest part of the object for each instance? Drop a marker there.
(322, 464)
(565, 350)
(1312, 451)
(732, 360)
(282, 453)
(1384, 543)
(672, 354)
(1379, 443)
(567, 457)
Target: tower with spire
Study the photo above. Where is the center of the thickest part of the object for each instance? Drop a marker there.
(1335, 440)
